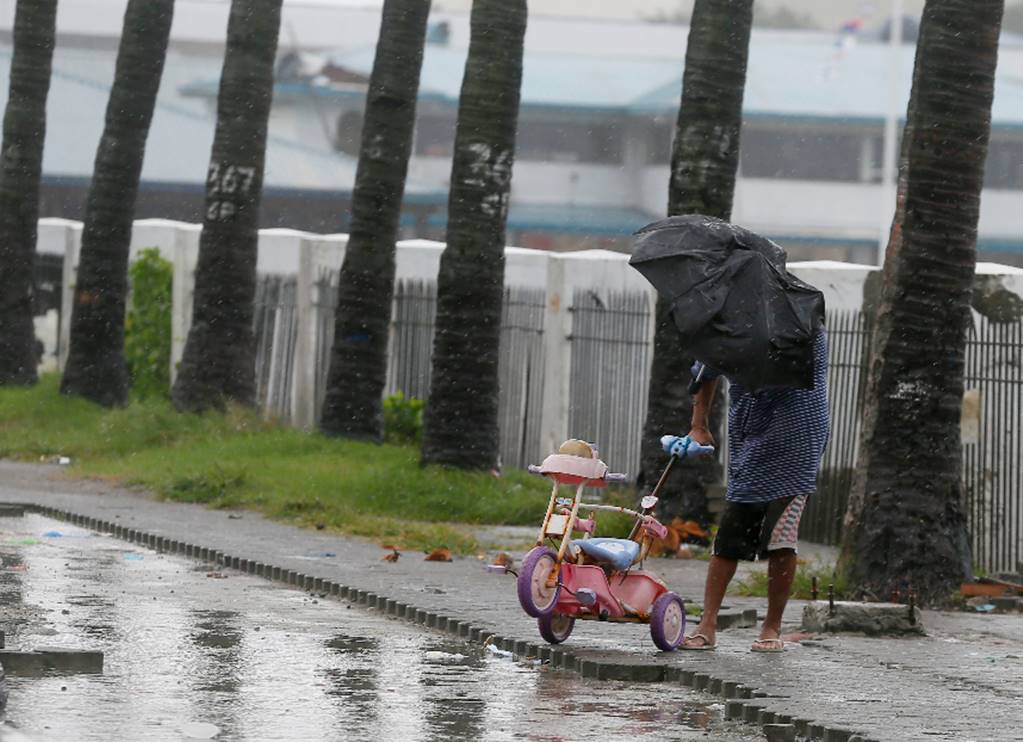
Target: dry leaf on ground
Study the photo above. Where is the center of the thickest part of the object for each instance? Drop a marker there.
(439, 555)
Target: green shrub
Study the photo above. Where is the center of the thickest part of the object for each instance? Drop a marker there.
(147, 326)
(403, 418)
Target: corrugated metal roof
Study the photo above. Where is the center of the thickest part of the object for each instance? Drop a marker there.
(811, 79)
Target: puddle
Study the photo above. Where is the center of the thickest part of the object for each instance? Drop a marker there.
(188, 657)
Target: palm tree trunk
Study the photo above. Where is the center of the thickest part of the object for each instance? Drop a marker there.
(358, 364)
(218, 363)
(21, 162)
(95, 367)
(905, 526)
(704, 160)
(460, 425)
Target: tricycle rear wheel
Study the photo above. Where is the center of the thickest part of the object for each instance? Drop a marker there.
(555, 627)
(668, 621)
(536, 596)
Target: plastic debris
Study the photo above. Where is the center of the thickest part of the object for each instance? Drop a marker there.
(24, 541)
(63, 460)
(133, 556)
(499, 652)
(984, 608)
(53, 534)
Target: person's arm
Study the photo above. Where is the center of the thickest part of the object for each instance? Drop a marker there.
(699, 431)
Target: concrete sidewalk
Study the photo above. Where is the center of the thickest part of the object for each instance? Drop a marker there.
(963, 681)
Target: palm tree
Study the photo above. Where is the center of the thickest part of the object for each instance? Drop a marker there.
(95, 367)
(905, 525)
(21, 163)
(460, 425)
(704, 159)
(218, 363)
(358, 364)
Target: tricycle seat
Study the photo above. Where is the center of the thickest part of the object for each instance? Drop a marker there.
(573, 470)
(620, 553)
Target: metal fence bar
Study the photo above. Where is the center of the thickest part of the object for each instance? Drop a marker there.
(609, 378)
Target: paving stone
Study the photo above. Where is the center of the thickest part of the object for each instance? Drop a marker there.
(779, 732)
(730, 689)
(56, 660)
(734, 710)
(837, 735)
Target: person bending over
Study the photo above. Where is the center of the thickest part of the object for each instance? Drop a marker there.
(776, 439)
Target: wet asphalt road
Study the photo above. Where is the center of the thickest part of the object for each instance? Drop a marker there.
(193, 653)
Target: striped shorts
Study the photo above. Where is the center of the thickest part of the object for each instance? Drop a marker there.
(749, 531)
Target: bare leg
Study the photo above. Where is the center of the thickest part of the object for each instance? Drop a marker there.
(781, 570)
(719, 573)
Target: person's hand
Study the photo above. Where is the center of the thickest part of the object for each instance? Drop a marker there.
(682, 446)
(701, 436)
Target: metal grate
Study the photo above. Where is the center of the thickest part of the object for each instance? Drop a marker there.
(848, 333)
(992, 437)
(412, 327)
(611, 346)
(520, 367)
(411, 351)
(993, 444)
(275, 325)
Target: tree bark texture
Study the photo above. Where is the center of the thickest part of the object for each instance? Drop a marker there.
(21, 162)
(358, 364)
(96, 367)
(218, 364)
(905, 528)
(704, 160)
(460, 426)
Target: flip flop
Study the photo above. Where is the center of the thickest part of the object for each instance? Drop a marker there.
(768, 646)
(705, 647)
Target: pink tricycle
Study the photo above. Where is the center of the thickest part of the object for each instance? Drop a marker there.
(563, 579)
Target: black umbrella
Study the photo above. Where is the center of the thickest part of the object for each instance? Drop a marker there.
(737, 307)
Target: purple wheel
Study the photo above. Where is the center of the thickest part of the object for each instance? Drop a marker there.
(555, 627)
(535, 595)
(668, 622)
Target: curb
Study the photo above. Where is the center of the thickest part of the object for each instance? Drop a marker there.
(742, 703)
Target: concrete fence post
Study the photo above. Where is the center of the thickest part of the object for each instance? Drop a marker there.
(557, 330)
(303, 385)
(186, 257)
(69, 280)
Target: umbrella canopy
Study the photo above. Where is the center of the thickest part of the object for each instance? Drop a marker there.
(737, 307)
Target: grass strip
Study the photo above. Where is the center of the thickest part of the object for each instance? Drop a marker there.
(755, 583)
(237, 459)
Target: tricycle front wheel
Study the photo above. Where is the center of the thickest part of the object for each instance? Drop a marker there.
(536, 595)
(668, 621)
(555, 627)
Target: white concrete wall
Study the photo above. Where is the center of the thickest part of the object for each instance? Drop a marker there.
(307, 256)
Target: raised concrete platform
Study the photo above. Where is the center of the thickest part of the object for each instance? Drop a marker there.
(51, 661)
(872, 619)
